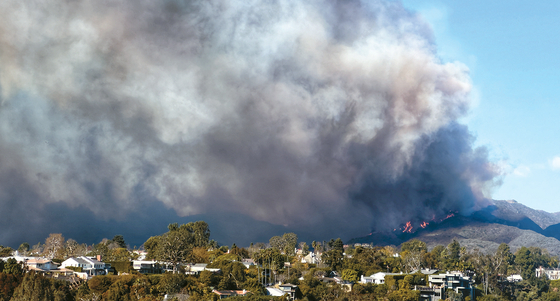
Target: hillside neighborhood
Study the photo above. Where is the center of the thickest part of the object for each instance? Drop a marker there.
(184, 264)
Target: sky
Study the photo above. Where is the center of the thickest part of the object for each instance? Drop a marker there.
(327, 118)
(511, 49)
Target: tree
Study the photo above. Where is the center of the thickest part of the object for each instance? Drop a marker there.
(119, 240)
(74, 249)
(5, 251)
(350, 275)
(176, 245)
(452, 254)
(290, 240)
(201, 233)
(333, 258)
(412, 260)
(414, 245)
(8, 284)
(502, 258)
(277, 242)
(38, 288)
(337, 244)
(304, 248)
(23, 248)
(12, 266)
(53, 245)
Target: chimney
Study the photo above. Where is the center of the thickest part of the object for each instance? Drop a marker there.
(99, 258)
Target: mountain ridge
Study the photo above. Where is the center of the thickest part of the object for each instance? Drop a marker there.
(501, 222)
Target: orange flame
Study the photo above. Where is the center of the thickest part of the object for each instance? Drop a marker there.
(424, 224)
(408, 227)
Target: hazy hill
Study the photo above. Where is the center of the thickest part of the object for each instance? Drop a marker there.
(504, 222)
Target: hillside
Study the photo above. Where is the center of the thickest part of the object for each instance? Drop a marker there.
(504, 222)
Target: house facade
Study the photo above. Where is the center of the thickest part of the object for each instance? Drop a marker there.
(377, 278)
(89, 265)
(439, 284)
(552, 274)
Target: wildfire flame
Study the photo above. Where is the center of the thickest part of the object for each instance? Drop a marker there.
(408, 227)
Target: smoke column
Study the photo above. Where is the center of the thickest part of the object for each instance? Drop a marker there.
(332, 116)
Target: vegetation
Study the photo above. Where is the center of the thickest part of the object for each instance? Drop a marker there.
(278, 261)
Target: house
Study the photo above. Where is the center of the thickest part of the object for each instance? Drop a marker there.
(311, 258)
(247, 262)
(289, 290)
(195, 269)
(230, 293)
(275, 292)
(439, 284)
(149, 267)
(90, 265)
(40, 264)
(514, 278)
(141, 254)
(552, 274)
(377, 278)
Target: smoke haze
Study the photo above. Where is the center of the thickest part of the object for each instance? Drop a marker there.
(336, 117)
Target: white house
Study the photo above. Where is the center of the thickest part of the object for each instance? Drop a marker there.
(195, 269)
(514, 278)
(90, 265)
(247, 262)
(552, 274)
(377, 278)
(311, 258)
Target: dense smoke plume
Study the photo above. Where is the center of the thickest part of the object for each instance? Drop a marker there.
(332, 116)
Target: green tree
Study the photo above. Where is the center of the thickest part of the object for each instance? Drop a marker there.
(5, 251)
(453, 254)
(502, 259)
(23, 248)
(291, 241)
(337, 244)
(333, 259)
(12, 266)
(350, 275)
(119, 240)
(38, 288)
(277, 242)
(414, 245)
(176, 245)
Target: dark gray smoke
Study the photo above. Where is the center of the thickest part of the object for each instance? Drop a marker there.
(336, 117)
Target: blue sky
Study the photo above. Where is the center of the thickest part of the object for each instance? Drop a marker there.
(512, 50)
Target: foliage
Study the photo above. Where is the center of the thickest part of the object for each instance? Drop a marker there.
(54, 246)
(121, 266)
(5, 251)
(270, 258)
(176, 245)
(39, 288)
(350, 275)
(119, 240)
(286, 243)
(8, 284)
(23, 248)
(333, 259)
(12, 266)
(75, 269)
